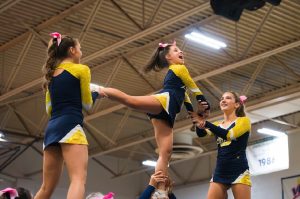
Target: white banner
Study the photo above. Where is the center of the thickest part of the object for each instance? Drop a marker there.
(269, 156)
(291, 187)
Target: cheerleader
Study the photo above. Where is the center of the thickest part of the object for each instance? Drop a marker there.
(232, 133)
(67, 86)
(163, 106)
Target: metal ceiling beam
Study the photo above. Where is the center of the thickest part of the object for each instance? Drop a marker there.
(154, 14)
(131, 52)
(23, 118)
(34, 32)
(6, 117)
(138, 72)
(274, 120)
(93, 137)
(22, 99)
(105, 167)
(285, 66)
(248, 60)
(91, 127)
(126, 14)
(258, 30)
(19, 134)
(109, 80)
(254, 76)
(217, 89)
(15, 156)
(236, 33)
(47, 23)
(146, 32)
(19, 62)
(90, 20)
(121, 124)
(7, 4)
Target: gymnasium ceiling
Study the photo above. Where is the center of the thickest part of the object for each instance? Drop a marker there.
(118, 37)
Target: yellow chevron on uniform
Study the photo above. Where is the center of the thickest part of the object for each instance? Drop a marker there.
(76, 136)
(164, 99)
(244, 178)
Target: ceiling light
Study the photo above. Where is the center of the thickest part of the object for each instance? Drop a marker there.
(203, 39)
(271, 132)
(149, 163)
(2, 137)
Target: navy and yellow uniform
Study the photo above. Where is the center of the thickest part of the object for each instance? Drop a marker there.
(147, 193)
(232, 164)
(174, 93)
(67, 94)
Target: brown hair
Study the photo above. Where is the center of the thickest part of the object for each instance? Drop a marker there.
(158, 61)
(56, 53)
(240, 111)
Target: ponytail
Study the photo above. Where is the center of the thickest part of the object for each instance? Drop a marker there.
(240, 111)
(57, 52)
(50, 66)
(158, 61)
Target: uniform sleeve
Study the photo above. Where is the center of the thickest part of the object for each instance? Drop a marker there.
(172, 196)
(187, 103)
(182, 72)
(86, 95)
(205, 132)
(48, 103)
(147, 192)
(242, 126)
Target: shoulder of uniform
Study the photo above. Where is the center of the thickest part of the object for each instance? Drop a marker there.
(217, 122)
(244, 118)
(178, 66)
(82, 67)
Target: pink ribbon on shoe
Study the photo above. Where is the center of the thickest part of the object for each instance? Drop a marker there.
(57, 36)
(110, 195)
(163, 45)
(243, 98)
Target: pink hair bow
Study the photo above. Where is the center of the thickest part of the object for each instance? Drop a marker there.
(243, 98)
(163, 45)
(12, 192)
(110, 195)
(57, 36)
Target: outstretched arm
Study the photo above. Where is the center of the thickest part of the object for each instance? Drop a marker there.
(242, 126)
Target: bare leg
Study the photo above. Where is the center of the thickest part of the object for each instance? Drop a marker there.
(164, 140)
(217, 191)
(52, 169)
(148, 104)
(76, 159)
(241, 191)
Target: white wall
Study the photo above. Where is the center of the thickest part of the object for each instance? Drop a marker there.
(264, 186)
